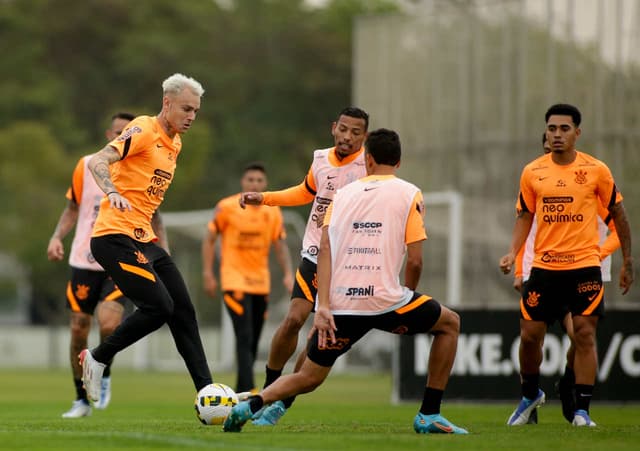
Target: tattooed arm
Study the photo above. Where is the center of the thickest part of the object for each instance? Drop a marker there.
(99, 167)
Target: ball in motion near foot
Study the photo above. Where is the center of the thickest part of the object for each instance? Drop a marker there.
(214, 402)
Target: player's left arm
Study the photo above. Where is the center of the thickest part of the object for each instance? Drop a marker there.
(161, 232)
(623, 229)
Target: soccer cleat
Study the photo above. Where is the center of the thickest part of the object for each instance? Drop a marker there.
(581, 418)
(105, 394)
(259, 413)
(80, 408)
(271, 415)
(533, 418)
(435, 424)
(566, 393)
(91, 374)
(522, 413)
(240, 414)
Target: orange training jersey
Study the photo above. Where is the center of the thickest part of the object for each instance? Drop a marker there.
(86, 194)
(609, 243)
(565, 199)
(370, 222)
(327, 174)
(247, 234)
(143, 174)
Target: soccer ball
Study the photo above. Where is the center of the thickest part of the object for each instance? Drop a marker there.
(214, 402)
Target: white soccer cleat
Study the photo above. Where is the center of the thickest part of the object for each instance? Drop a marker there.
(80, 408)
(581, 418)
(91, 374)
(522, 413)
(105, 394)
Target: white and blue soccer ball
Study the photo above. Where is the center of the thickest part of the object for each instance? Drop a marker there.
(214, 403)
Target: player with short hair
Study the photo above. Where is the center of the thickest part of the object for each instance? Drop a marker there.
(247, 235)
(89, 284)
(331, 169)
(381, 217)
(134, 171)
(609, 243)
(563, 190)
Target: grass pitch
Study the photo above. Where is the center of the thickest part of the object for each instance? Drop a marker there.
(154, 411)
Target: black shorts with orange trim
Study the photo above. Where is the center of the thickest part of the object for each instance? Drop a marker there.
(548, 295)
(417, 316)
(306, 284)
(86, 288)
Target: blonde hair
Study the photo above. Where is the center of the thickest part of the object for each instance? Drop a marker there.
(176, 83)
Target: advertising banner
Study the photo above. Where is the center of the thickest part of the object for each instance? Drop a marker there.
(486, 365)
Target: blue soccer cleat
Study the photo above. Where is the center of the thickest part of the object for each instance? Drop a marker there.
(581, 418)
(522, 413)
(435, 424)
(240, 414)
(271, 415)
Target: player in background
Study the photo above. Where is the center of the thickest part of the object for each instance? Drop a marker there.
(331, 169)
(563, 189)
(608, 244)
(134, 171)
(89, 284)
(369, 229)
(246, 235)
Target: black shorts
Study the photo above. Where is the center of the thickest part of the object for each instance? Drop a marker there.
(86, 288)
(418, 316)
(548, 295)
(306, 284)
(236, 301)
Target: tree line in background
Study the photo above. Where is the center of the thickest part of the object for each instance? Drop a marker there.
(275, 72)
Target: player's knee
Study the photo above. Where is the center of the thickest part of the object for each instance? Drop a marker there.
(80, 328)
(455, 322)
(162, 308)
(294, 322)
(528, 339)
(107, 328)
(584, 338)
(449, 322)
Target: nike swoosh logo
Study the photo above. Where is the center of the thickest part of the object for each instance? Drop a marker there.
(329, 177)
(371, 189)
(442, 427)
(158, 146)
(542, 178)
(592, 297)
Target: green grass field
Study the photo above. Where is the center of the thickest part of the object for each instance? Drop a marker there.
(155, 412)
